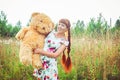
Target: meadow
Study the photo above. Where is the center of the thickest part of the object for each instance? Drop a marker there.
(92, 59)
(95, 51)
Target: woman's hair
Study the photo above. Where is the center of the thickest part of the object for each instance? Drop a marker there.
(67, 64)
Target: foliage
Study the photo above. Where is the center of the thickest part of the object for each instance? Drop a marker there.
(78, 28)
(95, 52)
(10, 67)
(16, 28)
(97, 28)
(117, 24)
(3, 22)
(96, 59)
(92, 59)
(7, 30)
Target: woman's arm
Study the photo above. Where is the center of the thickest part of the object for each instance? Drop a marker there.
(50, 54)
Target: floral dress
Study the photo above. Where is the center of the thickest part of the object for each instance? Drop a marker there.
(50, 71)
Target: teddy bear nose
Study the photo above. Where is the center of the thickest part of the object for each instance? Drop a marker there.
(43, 28)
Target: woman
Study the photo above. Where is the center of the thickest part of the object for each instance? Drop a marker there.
(55, 44)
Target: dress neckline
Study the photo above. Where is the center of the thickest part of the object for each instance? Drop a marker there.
(57, 37)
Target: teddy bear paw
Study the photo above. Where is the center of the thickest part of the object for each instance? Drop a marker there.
(38, 65)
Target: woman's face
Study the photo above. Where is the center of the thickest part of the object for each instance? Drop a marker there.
(61, 28)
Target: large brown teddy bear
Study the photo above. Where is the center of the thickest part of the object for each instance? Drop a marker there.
(32, 37)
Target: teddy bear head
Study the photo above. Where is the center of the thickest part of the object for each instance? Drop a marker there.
(41, 22)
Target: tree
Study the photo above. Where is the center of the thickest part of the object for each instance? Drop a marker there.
(79, 28)
(3, 22)
(16, 28)
(97, 27)
(18, 24)
(7, 30)
(117, 24)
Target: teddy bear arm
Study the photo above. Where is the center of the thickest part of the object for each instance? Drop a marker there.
(20, 35)
(40, 44)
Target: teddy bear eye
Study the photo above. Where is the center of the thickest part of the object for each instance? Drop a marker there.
(41, 21)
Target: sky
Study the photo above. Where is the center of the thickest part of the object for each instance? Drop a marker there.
(56, 9)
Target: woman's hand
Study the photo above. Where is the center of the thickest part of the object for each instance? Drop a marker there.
(37, 51)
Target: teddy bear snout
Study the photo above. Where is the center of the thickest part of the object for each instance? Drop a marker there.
(43, 28)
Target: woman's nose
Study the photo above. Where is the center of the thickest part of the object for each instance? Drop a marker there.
(60, 26)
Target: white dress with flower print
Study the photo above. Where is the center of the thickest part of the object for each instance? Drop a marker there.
(50, 71)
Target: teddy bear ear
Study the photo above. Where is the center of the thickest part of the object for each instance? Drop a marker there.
(51, 25)
(35, 13)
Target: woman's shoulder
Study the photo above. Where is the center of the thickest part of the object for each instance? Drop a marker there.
(64, 41)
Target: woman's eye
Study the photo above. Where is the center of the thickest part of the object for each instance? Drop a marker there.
(63, 25)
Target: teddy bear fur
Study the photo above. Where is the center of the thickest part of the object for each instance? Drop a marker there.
(32, 37)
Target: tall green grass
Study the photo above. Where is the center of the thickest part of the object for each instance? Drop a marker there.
(96, 59)
(93, 59)
(10, 67)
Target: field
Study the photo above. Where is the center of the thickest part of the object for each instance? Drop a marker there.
(92, 59)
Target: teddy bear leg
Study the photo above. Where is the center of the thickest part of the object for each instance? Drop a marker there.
(25, 55)
(36, 62)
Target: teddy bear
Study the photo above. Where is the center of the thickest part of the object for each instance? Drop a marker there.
(32, 36)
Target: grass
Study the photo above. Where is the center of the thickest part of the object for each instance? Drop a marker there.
(10, 67)
(93, 59)
(96, 59)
